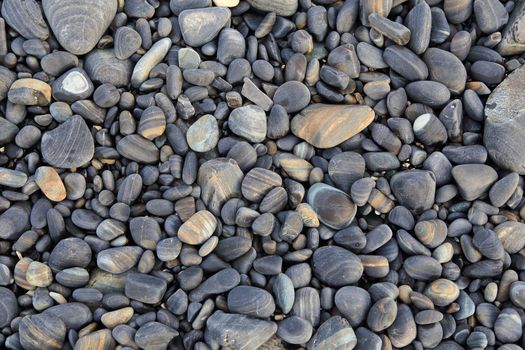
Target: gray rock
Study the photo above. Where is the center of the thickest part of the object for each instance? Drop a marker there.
(248, 122)
(237, 331)
(505, 120)
(200, 26)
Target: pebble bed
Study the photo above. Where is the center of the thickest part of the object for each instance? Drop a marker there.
(262, 174)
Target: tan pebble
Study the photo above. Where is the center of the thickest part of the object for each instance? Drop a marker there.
(39, 274)
(308, 215)
(198, 228)
(50, 183)
(30, 92)
(114, 318)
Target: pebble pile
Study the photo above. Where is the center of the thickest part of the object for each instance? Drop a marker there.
(262, 174)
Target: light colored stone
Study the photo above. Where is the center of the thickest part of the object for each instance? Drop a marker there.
(203, 135)
(50, 183)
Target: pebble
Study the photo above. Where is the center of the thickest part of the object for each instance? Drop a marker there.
(8, 305)
(103, 67)
(154, 56)
(200, 26)
(414, 189)
(69, 19)
(198, 228)
(335, 330)
(322, 197)
(144, 288)
(50, 183)
(295, 330)
(29, 92)
(248, 122)
(481, 177)
(42, 331)
(336, 266)
(154, 335)
(292, 95)
(126, 42)
(12, 178)
(68, 145)
(26, 18)
(313, 125)
(251, 301)
(238, 331)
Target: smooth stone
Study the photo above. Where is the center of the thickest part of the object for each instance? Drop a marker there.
(118, 260)
(25, 16)
(473, 180)
(104, 67)
(101, 339)
(69, 252)
(7, 77)
(68, 145)
(138, 148)
(491, 15)
(72, 86)
(145, 232)
(237, 331)
(42, 332)
(292, 95)
(8, 306)
(325, 126)
(126, 42)
(336, 266)
(152, 123)
(145, 288)
(442, 292)
(382, 314)
(203, 135)
(505, 120)
(334, 207)
(403, 331)
(334, 333)
(248, 122)
(221, 282)
(446, 68)
(251, 301)
(154, 336)
(200, 26)
(281, 8)
(198, 228)
(353, 303)
(220, 179)
(508, 326)
(77, 26)
(295, 330)
(50, 183)
(414, 189)
(284, 293)
(154, 56)
(58, 62)
(12, 178)
(29, 92)
(74, 315)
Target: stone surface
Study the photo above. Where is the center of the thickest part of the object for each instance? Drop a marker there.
(326, 126)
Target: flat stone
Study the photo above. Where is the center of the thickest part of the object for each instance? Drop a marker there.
(78, 25)
(237, 331)
(200, 26)
(326, 126)
(505, 121)
(68, 145)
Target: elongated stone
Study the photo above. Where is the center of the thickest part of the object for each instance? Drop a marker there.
(326, 126)
(154, 56)
(281, 8)
(30, 92)
(139, 149)
(198, 228)
(50, 183)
